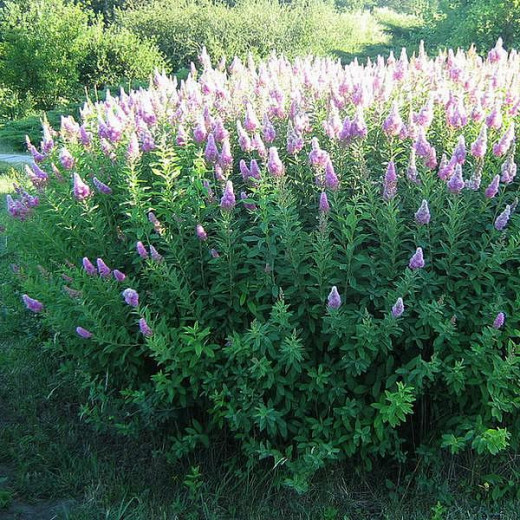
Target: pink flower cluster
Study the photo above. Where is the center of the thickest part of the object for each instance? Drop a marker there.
(262, 117)
(102, 269)
(248, 123)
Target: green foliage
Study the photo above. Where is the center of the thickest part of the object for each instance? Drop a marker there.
(243, 341)
(438, 511)
(50, 48)
(12, 106)
(414, 7)
(43, 43)
(13, 132)
(117, 56)
(182, 28)
(479, 22)
(105, 8)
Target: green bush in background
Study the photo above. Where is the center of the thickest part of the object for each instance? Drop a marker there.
(182, 28)
(482, 22)
(116, 55)
(43, 43)
(51, 49)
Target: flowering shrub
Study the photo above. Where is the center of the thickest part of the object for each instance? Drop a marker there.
(321, 260)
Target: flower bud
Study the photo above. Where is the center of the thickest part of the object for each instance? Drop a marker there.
(334, 299)
(417, 260)
(131, 297)
(398, 308)
(32, 304)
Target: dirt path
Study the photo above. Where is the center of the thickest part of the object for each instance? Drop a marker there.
(14, 158)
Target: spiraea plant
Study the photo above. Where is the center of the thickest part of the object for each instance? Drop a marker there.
(320, 260)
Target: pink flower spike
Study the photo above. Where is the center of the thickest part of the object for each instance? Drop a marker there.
(393, 123)
(144, 328)
(226, 159)
(101, 186)
(156, 257)
(32, 304)
(132, 151)
(254, 169)
(317, 157)
(479, 146)
(80, 189)
(324, 206)
(251, 122)
(228, 201)
(84, 333)
(274, 164)
(499, 320)
(89, 267)
(334, 299)
(422, 216)
(398, 308)
(390, 182)
(502, 219)
(201, 233)
(118, 275)
(211, 151)
(131, 297)
(417, 260)
(141, 250)
(492, 189)
(244, 170)
(331, 179)
(508, 170)
(460, 151)
(103, 269)
(66, 159)
(456, 183)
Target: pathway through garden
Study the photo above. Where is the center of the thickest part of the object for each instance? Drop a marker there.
(14, 158)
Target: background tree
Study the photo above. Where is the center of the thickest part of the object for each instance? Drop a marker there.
(43, 43)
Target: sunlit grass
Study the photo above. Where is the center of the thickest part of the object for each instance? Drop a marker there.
(7, 177)
(393, 20)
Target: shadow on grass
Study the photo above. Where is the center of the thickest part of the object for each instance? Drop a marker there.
(400, 32)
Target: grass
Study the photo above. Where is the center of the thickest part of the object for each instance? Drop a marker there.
(53, 465)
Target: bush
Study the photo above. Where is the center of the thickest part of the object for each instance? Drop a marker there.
(182, 29)
(53, 48)
(43, 43)
(11, 106)
(354, 296)
(479, 22)
(115, 56)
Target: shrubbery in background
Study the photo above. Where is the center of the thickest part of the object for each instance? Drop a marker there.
(320, 261)
(479, 22)
(117, 56)
(52, 49)
(43, 43)
(182, 28)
